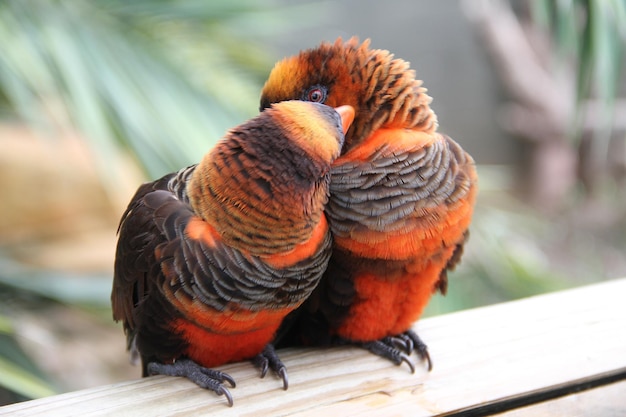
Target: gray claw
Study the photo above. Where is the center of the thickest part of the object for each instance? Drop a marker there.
(282, 372)
(231, 382)
(226, 393)
(384, 348)
(400, 343)
(204, 377)
(261, 362)
(268, 359)
(420, 347)
(404, 358)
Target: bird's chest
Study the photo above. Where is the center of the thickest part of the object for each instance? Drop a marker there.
(384, 307)
(221, 337)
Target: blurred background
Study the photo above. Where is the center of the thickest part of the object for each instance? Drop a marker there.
(97, 96)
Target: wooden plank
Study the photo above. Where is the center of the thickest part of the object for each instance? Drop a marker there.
(605, 401)
(482, 357)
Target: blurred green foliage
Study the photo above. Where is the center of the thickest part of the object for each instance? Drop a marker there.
(164, 79)
(17, 372)
(592, 35)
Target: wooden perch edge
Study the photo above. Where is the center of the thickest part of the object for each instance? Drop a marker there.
(485, 360)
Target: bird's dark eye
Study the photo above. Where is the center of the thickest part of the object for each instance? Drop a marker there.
(316, 94)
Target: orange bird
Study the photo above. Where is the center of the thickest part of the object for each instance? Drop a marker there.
(401, 200)
(211, 258)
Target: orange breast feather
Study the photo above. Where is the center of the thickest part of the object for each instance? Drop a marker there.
(216, 337)
(425, 242)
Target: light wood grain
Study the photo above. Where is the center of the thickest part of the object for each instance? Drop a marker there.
(481, 357)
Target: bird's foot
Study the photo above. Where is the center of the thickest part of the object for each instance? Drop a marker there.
(398, 348)
(268, 359)
(204, 377)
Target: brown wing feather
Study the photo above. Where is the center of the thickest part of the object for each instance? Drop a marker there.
(135, 254)
(160, 270)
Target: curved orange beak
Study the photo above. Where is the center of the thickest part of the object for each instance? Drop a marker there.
(346, 113)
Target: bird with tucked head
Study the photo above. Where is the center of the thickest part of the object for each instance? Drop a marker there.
(211, 258)
(401, 200)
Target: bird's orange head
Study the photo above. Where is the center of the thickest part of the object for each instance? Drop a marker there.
(382, 90)
(269, 177)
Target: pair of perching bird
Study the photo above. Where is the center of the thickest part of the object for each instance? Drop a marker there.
(331, 217)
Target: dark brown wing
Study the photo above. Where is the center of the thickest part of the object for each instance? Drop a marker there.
(160, 269)
(135, 261)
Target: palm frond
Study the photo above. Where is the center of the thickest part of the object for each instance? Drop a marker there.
(163, 79)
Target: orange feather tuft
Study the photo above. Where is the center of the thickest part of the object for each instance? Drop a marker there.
(243, 339)
(302, 251)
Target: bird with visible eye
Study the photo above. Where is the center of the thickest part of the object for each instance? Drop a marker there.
(315, 94)
(401, 200)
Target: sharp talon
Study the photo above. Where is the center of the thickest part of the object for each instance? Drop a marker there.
(400, 343)
(421, 348)
(282, 372)
(268, 359)
(219, 376)
(404, 358)
(399, 348)
(385, 349)
(425, 356)
(206, 378)
(395, 342)
(231, 382)
(226, 393)
(262, 362)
